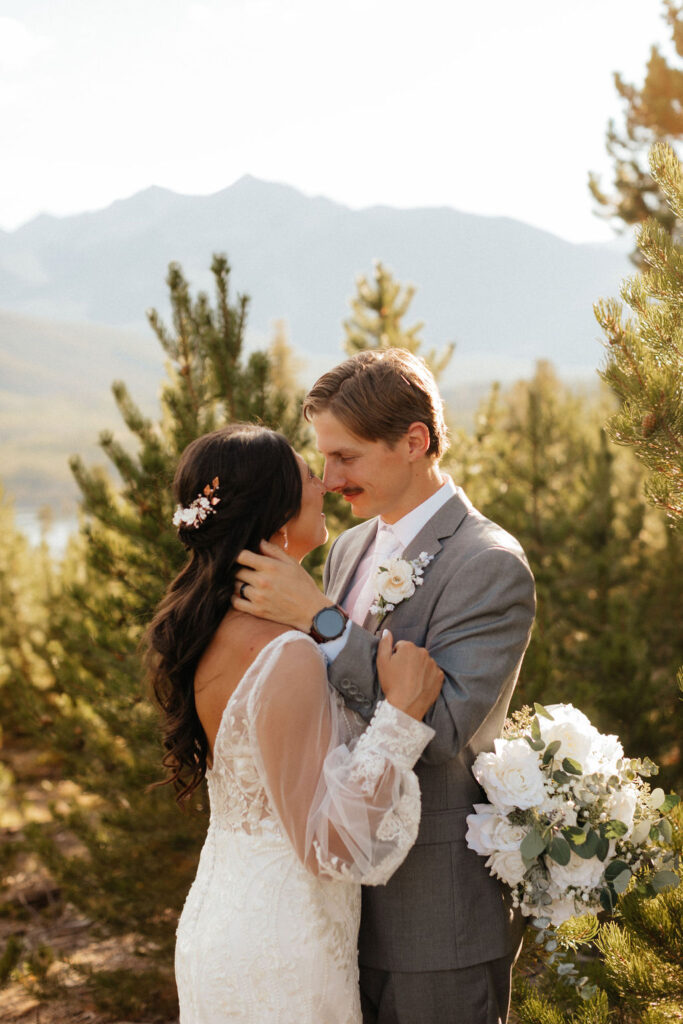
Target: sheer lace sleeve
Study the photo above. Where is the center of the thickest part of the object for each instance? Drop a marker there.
(350, 806)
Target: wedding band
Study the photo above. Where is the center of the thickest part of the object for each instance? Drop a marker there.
(242, 591)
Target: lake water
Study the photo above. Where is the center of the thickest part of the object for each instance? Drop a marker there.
(28, 521)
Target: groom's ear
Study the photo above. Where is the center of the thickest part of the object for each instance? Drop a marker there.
(418, 440)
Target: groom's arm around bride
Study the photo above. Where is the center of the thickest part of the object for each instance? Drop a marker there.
(437, 942)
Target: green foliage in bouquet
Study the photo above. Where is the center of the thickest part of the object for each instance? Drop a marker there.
(635, 964)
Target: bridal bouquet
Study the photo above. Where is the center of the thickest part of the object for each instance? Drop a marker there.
(570, 820)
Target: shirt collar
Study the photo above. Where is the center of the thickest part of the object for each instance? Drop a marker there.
(407, 528)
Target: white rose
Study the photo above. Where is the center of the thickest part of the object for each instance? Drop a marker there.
(507, 836)
(396, 584)
(606, 751)
(622, 804)
(480, 829)
(571, 727)
(584, 874)
(561, 909)
(489, 831)
(511, 776)
(508, 866)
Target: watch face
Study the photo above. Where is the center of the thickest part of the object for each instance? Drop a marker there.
(330, 623)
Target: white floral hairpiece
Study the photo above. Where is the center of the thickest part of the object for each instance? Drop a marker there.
(396, 581)
(199, 509)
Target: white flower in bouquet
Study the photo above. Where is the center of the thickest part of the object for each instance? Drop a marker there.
(584, 824)
(561, 909)
(480, 828)
(621, 804)
(583, 874)
(559, 809)
(508, 865)
(604, 755)
(573, 730)
(489, 830)
(511, 776)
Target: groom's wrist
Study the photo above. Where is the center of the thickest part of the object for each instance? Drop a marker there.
(310, 610)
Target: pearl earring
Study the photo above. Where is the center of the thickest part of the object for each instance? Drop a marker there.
(286, 541)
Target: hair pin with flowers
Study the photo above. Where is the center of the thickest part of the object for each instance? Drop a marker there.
(200, 509)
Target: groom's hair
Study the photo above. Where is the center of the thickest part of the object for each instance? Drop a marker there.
(378, 394)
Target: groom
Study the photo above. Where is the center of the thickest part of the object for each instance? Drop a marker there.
(437, 943)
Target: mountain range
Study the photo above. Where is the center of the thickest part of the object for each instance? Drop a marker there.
(74, 290)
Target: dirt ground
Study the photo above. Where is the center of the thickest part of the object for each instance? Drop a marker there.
(47, 947)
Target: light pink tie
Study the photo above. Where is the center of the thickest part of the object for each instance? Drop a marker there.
(386, 546)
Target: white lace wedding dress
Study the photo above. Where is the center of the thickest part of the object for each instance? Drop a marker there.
(305, 806)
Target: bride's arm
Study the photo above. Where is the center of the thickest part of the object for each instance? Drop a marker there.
(350, 810)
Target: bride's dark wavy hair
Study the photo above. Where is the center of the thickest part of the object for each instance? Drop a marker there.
(259, 490)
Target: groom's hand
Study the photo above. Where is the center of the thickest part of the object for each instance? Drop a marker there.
(273, 586)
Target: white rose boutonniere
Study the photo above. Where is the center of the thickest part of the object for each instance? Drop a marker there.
(396, 581)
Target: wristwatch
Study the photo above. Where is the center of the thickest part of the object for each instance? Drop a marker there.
(328, 624)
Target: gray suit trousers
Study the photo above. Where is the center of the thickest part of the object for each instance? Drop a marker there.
(472, 995)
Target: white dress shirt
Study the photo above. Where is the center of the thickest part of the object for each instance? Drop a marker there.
(405, 531)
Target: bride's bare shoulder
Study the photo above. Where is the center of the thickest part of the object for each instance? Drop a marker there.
(239, 639)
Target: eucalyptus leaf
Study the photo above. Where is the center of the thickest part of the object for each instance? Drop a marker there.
(615, 868)
(669, 803)
(589, 848)
(532, 844)
(561, 778)
(565, 968)
(664, 880)
(603, 848)
(614, 829)
(620, 883)
(550, 751)
(535, 744)
(551, 945)
(560, 850)
(665, 830)
(571, 766)
(575, 835)
(540, 710)
(657, 798)
(535, 729)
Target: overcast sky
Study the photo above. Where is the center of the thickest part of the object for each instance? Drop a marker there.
(487, 106)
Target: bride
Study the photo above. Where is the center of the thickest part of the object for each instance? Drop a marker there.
(307, 802)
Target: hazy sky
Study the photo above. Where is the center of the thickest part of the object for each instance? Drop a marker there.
(487, 106)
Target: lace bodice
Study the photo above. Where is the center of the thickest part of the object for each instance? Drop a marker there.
(306, 803)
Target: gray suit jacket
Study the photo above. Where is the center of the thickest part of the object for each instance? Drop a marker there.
(473, 613)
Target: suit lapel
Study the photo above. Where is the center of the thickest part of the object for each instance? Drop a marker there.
(443, 523)
(351, 554)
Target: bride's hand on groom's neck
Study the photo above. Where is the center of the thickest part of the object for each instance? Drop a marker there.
(274, 586)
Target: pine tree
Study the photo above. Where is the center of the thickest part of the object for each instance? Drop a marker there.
(654, 113)
(378, 310)
(140, 851)
(645, 354)
(605, 568)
